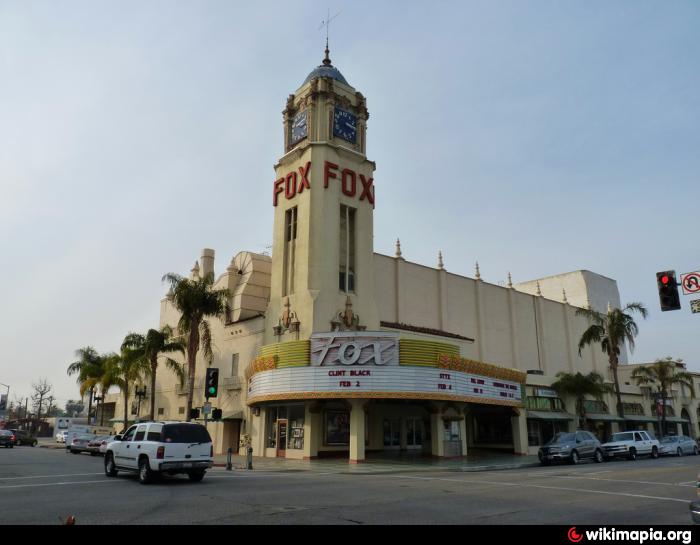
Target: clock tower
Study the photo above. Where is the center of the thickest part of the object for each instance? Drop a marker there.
(323, 197)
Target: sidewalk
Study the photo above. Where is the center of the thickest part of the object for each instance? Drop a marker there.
(381, 464)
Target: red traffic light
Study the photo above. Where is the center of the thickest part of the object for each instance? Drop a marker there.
(664, 279)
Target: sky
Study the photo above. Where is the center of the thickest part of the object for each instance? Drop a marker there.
(536, 137)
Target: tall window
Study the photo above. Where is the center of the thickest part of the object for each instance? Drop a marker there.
(290, 240)
(234, 365)
(347, 249)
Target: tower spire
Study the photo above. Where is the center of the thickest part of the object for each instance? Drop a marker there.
(327, 59)
(327, 24)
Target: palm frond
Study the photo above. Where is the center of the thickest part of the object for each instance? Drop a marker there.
(594, 334)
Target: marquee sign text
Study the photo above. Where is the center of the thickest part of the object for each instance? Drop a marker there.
(352, 184)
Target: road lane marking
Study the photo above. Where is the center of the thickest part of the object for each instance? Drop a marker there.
(615, 480)
(59, 484)
(49, 476)
(527, 485)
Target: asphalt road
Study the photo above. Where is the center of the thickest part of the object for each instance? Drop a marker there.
(43, 486)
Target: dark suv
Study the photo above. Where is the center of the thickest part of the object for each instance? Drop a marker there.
(571, 447)
(7, 439)
(23, 437)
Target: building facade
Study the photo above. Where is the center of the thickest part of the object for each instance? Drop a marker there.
(330, 349)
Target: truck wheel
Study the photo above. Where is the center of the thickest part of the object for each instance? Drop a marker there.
(196, 476)
(110, 467)
(632, 455)
(145, 473)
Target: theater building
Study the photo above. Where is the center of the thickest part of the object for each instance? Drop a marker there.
(331, 349)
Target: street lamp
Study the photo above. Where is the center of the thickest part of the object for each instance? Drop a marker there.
(140, 394)
(99, 398)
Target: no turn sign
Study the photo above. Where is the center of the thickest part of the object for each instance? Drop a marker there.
(690, 282)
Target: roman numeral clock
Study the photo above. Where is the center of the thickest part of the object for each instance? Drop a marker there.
(345, 125)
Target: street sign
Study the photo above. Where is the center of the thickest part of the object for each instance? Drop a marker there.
(690, 282)
(695, 306)
(206, 408)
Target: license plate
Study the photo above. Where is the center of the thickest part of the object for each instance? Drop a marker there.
(187, 464)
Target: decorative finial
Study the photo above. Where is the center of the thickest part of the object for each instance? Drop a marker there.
(327, 24)
(195, 270)
(327, 59)
(510, 281)
(441, 264)
(538, 292)
(563, 293)
(398, 248)
(478, 273)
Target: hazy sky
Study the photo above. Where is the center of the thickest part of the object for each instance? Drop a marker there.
(535, 137)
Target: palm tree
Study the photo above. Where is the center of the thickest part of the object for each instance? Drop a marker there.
(664, 374)
(149, 347)
(90, 370)
(579, 386)
(196, 299)
(122, 370)
(612, 330)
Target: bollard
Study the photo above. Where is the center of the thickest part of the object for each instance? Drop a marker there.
(229, 466)
(249, 458)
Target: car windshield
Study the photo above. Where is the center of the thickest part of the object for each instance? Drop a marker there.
(562, 438)
(5, 432)
(670, 440)
(621, 437)
(185, 433)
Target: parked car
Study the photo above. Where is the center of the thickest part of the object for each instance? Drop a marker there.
(155, 448)
(98, 445)
(678, 445)
(80, 443)
(630, 444)
(571, 447)
(24, 438)
(7, 439)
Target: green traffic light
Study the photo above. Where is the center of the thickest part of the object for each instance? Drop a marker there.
(212, 390)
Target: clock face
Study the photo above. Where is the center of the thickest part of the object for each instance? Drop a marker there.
(300, 128)
(344, 125)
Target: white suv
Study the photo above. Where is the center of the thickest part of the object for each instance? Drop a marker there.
(630, 444)
(154, 448)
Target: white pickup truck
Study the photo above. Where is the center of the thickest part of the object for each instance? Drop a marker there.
(155, 448)
(630, 444)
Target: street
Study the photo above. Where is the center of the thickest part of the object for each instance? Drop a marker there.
(43, 486)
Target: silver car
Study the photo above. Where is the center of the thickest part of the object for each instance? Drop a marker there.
(678, 445)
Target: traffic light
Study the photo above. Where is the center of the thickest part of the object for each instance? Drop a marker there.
(212, 383)
(194, 414)
(668, 290)
(216, 414)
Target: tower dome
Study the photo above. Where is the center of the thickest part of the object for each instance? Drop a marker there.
(326, 70)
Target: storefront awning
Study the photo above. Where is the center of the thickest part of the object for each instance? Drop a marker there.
(673, 420)
(639, 418)
(549, 415)
(231, 415)
(603, 417)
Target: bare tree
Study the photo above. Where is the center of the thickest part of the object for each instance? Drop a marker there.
(42, 389)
